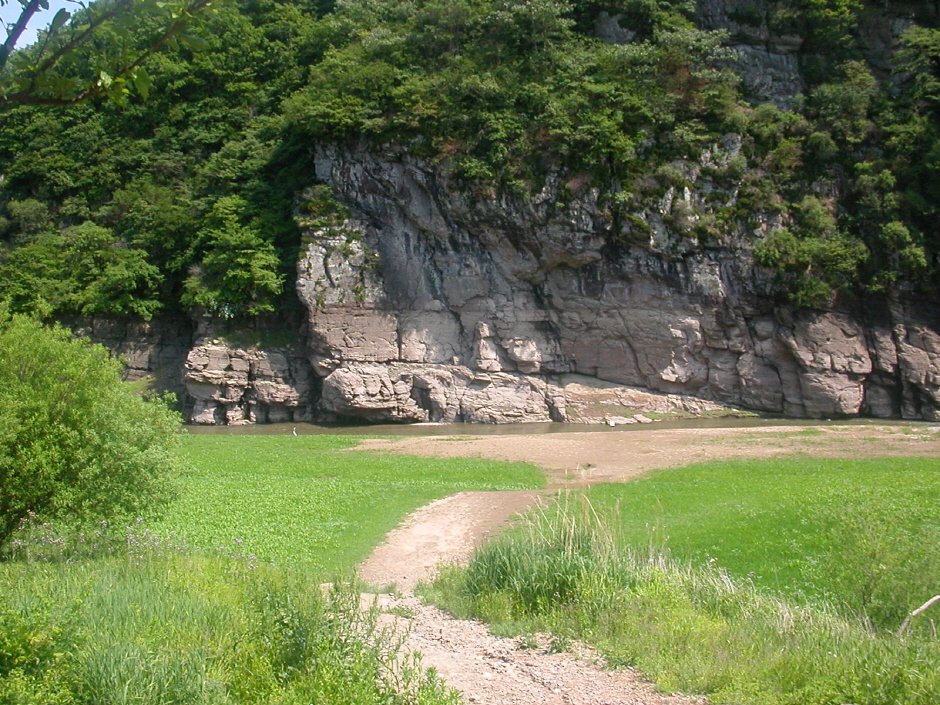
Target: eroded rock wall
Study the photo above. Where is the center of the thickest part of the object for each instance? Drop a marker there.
(231, 384)
(432, 302)
(437, 302)
(153, 350)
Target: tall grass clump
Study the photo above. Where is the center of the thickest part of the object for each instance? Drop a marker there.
(161, 628)
(691, 629)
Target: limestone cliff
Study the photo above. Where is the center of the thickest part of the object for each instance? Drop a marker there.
(432, 299)
(431, 302)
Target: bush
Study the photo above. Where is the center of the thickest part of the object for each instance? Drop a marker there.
(76, 443)
(165, 628)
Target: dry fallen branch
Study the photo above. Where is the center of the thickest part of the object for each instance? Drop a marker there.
(907, 621)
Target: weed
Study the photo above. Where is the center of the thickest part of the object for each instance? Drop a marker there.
(528, 642)
(311, 500)
(559, 644)
(788, 524)
(857, 541)
(693, 629)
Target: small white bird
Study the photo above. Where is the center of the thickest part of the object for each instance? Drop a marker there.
(294, 431)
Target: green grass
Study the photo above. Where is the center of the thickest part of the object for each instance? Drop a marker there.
(808, 528)
(692, 629)
(123, 616)
(156, 628)
(777, 582)
(309, 500)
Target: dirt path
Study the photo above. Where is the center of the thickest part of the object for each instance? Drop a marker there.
(445, 531)
(580, 458)
(490, 670)
(494, 671)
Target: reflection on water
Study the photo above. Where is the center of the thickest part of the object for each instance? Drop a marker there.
(468, 429)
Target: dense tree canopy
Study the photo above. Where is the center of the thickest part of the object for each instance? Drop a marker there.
(186, 200)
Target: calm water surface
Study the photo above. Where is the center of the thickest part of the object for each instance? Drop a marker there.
(467, 429)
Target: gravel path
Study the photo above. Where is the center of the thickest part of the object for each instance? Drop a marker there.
(495, 671)
(490, 670)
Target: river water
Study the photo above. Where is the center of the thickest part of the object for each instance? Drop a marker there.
(466, 429)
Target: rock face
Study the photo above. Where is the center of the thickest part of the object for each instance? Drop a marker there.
(216, 382)
(436, 302)
(155, 350)
(432, 303)
(233, 385)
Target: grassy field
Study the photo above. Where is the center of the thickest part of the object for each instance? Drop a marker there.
(863, 533)
(757, 583)
(309, 500)
(218, 601)
(773, 582)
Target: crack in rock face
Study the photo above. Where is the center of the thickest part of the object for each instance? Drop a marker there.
(480, 310)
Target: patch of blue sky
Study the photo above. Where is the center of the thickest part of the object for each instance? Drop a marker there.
(10, 12)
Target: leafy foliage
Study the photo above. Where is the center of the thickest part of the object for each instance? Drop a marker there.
(100, 51)
(81, 269)
(504, 92)
(76, 443)
(239, 270)
(161, 627)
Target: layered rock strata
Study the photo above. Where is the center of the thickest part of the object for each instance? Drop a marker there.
(152, 350)
(236, 385)
(433, 303)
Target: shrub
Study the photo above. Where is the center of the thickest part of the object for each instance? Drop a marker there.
(76, 443)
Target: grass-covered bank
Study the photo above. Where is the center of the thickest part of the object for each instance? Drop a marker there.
(158, 628)
(310, 500)
(588, 570)
(159, 612)
(862, 533)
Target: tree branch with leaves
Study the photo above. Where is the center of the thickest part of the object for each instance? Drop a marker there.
(99, 50)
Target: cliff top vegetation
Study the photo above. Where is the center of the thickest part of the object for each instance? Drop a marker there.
(186, 200)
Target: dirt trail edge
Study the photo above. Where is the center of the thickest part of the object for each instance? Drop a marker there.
(496, 671)
(445, 531)
(486, 669)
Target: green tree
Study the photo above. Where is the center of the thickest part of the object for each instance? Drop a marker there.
(845, 106)
(76, 443)
(81, 270)
(101, 50)
(919, 59)
(239, 271)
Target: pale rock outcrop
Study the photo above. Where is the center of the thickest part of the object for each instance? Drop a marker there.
(416, 393)
(235, 386)
(449, 305)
